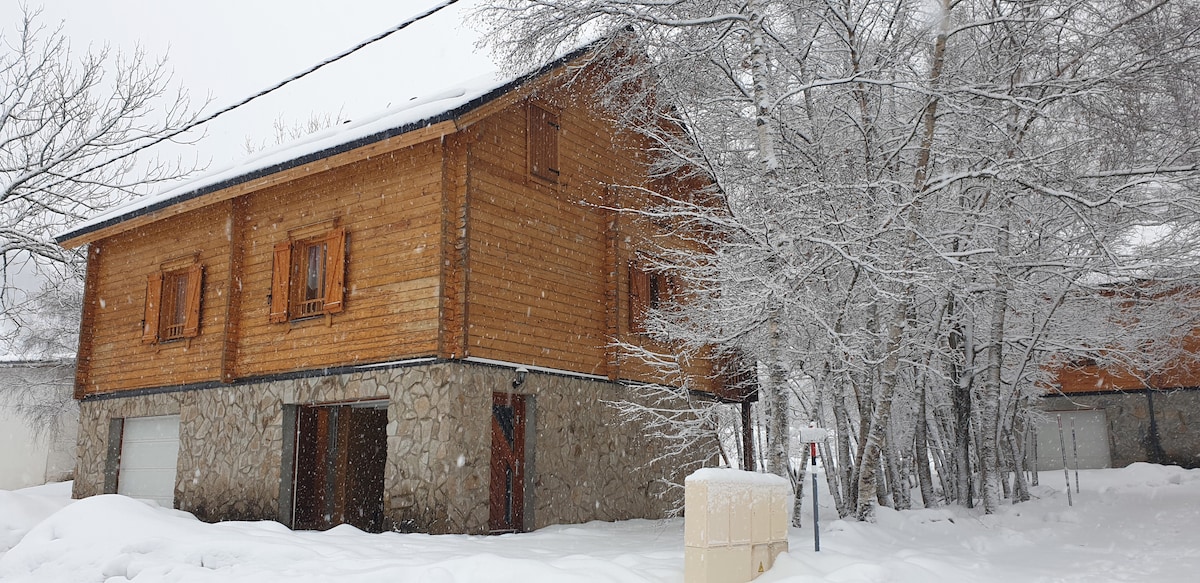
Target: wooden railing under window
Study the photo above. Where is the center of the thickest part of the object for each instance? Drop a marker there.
(310, 307)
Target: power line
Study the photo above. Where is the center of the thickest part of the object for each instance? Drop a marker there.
(296, 77)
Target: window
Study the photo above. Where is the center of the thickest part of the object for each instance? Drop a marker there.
(173, 304)
(646, 292)
(309, 276)
(309, 270)
(543, 143)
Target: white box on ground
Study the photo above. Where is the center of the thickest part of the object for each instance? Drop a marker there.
(735, 524)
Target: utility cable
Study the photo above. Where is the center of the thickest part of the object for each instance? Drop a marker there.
(197, 122)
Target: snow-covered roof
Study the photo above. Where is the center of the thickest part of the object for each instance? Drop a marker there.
(10, 359)
(443, 105)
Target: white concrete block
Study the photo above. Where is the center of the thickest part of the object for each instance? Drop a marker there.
(735, 523)
(718, 564)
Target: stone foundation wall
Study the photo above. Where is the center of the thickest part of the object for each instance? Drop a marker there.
(586, 463)
(1176, 417)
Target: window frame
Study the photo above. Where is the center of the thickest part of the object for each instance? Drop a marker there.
(291, 269)
(310, 263)
(189, 280)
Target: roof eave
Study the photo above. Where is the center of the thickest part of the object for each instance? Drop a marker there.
(450, 118)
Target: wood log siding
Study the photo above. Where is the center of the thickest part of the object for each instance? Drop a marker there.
(116, 305)
(536, 254)
(390, 208)
(392, 278)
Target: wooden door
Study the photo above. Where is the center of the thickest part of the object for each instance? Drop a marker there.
(340, 456)
(507, 491)
(363, 501)
(313, 446)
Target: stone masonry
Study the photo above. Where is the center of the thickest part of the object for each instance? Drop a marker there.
(585, 462)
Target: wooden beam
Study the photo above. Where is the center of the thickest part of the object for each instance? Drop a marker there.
(233, 291)
(452, 299)
(87, 323)
(612, 296)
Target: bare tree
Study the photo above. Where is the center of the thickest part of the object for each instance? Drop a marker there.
(286, 131)
(70, 125)
(41, 388)
(914, 200)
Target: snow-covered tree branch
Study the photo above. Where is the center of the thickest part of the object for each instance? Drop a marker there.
(919, 206)
(69, 124)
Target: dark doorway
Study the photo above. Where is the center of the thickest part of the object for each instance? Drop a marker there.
(341, 451)
(507, 492)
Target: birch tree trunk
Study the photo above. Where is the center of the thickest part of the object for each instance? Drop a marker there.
(775, 402)
(921, 452)
(989, 454)
(874, 436)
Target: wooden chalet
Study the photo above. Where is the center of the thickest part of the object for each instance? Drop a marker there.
(405, 323)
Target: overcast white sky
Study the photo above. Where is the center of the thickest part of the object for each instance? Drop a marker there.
(230, 49)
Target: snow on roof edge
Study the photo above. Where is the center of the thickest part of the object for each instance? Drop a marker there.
(245, 172)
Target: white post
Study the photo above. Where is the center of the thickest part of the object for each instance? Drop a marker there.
(1075, 454)
(1062, 444)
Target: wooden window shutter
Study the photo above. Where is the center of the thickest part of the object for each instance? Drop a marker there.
(639, 297)
(543, 143)
(280, 275)
(191, 323)
(153, 301)
(657, 287)
(335, 270)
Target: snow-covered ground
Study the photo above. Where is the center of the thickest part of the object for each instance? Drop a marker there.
(1140, 523)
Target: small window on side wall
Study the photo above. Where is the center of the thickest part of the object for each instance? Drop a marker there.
(173, 304)
(647, 289)
(543, 143)
(309, 276)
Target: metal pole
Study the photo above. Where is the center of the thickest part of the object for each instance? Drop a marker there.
(1062, 445)
(816, 512)
(1075, 454)
(1033, 441)
(747, 436)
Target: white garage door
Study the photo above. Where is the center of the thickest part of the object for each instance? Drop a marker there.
(1090, 440)
(149, 450)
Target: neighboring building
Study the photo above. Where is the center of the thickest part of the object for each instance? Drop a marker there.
(1120, 417)
(29, 455)
(405, 323)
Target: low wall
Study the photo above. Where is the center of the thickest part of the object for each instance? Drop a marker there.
(33, 452)
(1159, 426)
(587, 463)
